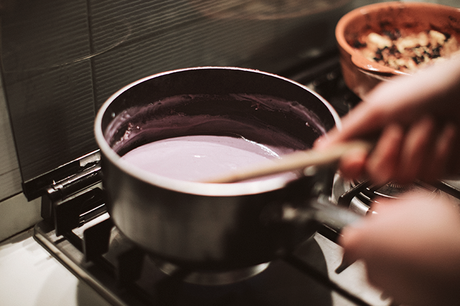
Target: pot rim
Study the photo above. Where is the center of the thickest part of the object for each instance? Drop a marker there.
(189, 187)
(358, 60)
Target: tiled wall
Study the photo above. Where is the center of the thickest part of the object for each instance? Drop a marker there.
(16, 213)
(10, 180)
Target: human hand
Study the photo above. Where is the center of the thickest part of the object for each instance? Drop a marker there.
(416, 120)
(411, 248)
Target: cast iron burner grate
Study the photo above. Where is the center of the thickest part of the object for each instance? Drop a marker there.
(124, 274)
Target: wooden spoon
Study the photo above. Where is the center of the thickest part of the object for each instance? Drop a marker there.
(298, 160)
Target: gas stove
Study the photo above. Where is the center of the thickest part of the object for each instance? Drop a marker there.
(77, 230)
(56, 74)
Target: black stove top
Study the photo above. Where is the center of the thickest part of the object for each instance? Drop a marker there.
(126, 275)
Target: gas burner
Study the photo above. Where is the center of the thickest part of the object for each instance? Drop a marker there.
(120, 244)
(393, 188)
(370, 192)
(213, 278)
(359, 195)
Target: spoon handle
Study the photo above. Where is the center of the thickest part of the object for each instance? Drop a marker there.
(298, 160)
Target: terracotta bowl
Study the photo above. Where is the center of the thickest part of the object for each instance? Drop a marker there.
(361, 74)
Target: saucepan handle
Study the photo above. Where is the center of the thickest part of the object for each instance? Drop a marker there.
(320, 211)
(332, 215)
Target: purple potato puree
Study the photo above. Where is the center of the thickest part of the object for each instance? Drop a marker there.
(201, 157)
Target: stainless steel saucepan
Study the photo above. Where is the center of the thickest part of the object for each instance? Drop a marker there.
(212, 226)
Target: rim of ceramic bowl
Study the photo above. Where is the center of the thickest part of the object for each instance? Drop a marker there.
(357, 59)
